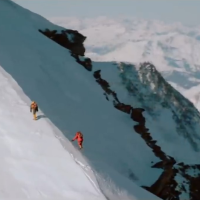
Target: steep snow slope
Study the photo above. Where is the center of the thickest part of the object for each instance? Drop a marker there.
(172, 48)
(34, 164)
(168, 117)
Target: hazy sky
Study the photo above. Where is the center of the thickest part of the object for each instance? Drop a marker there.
(183, 11)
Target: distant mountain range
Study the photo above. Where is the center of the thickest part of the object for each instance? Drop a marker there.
(173, 48)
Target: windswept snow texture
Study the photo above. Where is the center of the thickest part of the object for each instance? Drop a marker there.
(34, 164)
(172, 48)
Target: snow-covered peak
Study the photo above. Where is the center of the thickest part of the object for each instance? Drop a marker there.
(169, 126)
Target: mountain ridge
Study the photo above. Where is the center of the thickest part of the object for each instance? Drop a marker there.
(128, 145)
(166, 185)
(172, 48)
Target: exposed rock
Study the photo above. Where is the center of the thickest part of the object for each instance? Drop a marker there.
(164, 164)
(194, 188)
(181, 164)
(139, 128)
(123, 107)
(97, 74)
(86, 63)
(69, 39)
(162, 187)
(137, 116)
(105, 86)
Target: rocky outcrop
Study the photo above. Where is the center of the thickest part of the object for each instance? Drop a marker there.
(106, 87)
(69, 39)
(86, 63)
(123, 107)
(136, 115)
(72, 40)
(192, 177)
(165, 186)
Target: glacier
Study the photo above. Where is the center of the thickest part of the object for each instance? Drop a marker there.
(141, 150)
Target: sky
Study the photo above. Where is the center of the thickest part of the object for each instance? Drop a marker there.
(186, 12)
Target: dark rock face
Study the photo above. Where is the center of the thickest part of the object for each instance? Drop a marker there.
(87, 63)
(124, 108)
(69, 39)
(105, 86)
(165, 186)
(72, 40)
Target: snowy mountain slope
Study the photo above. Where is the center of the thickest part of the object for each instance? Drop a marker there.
(173, 124)
(166, 112)
(34, 164)
(36, 167)
(170, 122)
(172, 48)
(141, 146)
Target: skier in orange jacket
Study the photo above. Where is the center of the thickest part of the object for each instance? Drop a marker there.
(79, 138)
(34, 108)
